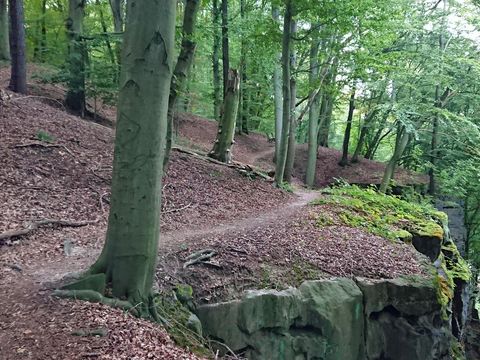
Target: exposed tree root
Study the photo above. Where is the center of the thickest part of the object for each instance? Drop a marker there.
(32, 226)
(94, 296)
(39, 144)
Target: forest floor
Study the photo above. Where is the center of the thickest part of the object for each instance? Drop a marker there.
(56, 166)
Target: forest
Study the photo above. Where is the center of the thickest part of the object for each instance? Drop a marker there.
(240, 179)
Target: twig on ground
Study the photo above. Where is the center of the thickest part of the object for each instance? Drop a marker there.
(44, 146)
(176, 209)
(225, 346)
(199, 257)
(32, 226)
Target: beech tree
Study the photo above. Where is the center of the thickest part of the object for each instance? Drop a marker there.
(18, 78)
(128, 259)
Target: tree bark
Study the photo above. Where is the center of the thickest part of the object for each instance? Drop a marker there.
(348, 129)
(18, 78)
(180, 74)
(225, 49)
(243, 103)
(327, 105)
(129, 256)
(401, 142)
(4, 42)
(222, 149)
(286, 51)
(363, 134)
(75, 99)
(314, 112)
(292, 143)
(217, 102)
(277, 93)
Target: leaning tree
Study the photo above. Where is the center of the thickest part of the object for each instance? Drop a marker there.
(128, 260)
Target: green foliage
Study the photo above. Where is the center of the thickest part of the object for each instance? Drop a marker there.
(44, 136)
(383, 215)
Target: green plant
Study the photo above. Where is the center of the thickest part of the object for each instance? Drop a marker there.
(44, 136)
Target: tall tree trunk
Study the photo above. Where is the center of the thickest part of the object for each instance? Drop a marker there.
(4, 43)
(180, 74)
(286, 52)
(129, 255)
(348, 129)
(217, 102)
(75, 99)
(222, 149)
(432, 184)
(314, 112)
(401, 142)
(117, 15)
(243, 103)
(225, 49)
(363, 134)
(292, 135)
(18, 78)
(105, 30)
(326, 114)
(277, 93)
(40, 40)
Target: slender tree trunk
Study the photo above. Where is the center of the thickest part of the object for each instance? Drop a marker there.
(217, 102)
(105, 30)
(286, 52)
(348, 129)
(222, 149)
(18, 79)
(314, 113)
(180, 74)
(326, 114)
(225, 49)
(363, 134)
(41, 34)
(75, 99)
(292, 136)
(432, 185)
(4, 42)
(117, 15)
(277, 93)
(129, 256)
(401, 142)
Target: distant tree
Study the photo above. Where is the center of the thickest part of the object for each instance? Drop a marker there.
(277, 91)
(4, 43)
(182, 67)
(225, 46)
(348, 129)
(217, 92)
(18, 79)
(75, 99)
(222, 149)
(128, 259)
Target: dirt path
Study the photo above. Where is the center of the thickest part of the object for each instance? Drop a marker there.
(172, 240)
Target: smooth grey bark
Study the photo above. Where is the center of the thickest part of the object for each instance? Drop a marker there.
(286, 52)
(277, 92)
(314, 113)
(225, 46)
(182, 67)
(222, 149)
(243, 105)
(292, 135)
(401, 141)
(348, 129)
(4, 41)
(75, 98)
(129, 256)
(217, 92)
(18, 78)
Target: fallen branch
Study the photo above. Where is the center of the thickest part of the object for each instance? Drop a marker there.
(44, 146)
(199, 257)
(176, 209)
(38, 97)
(32, 226)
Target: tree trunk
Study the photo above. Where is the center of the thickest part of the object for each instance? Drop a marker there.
(277, 93)
(18, 79)
(292, 143)
(117, 7)
(4, 42)
(432, 184)
(286, 52)
(225, 50)
(105, 30)
(314, 113)
(180, 74)
(401, 142)
(217, 102)
(243, 103)
(327, 104)
(129, 256)
(75, 99)
(222, 149)
(348, 129)
(363, 134)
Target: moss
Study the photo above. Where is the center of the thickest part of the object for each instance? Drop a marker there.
(383, 215)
